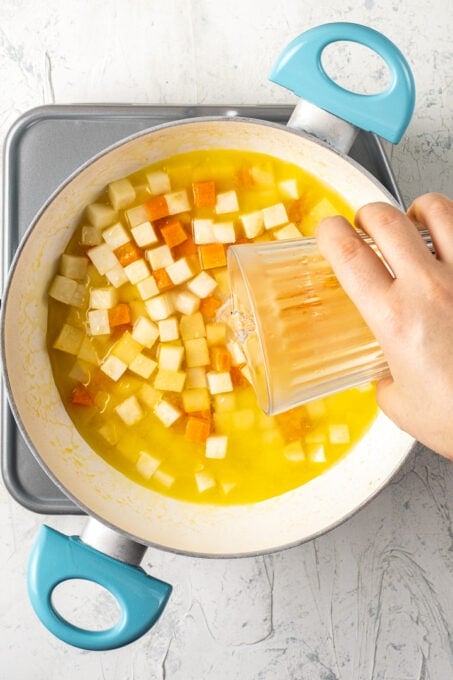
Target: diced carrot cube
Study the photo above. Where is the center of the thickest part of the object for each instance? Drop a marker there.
(163, 281)
(197, 430)
(295, 210)
(237, 377)
(220, 359)
(128, 253)
(80, 396)
(157, 208)
(204, 193)
(209, 306)
(173, 233)
(188, 247)
(119, 315)
(212, 255)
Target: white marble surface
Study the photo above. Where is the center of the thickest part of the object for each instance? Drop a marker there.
(371, 600)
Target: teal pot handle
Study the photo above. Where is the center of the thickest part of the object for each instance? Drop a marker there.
(56, 558)
(299, 69)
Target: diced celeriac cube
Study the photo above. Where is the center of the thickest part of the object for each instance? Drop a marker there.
(87, 352)
(294, 452)
(109, 432)
(288, 188)
(225, 402)
(164, 478)
(180, 271)
(263, 174)
(103, 298)
(203, 231)
(143, 366)
(78, 298)
(137, 215)
(169, 381)
(289, 231)
(158, 182)
(159, 257)
(166, 412)
(147, 464)
(186, 302)
(216, 333)
(149, 396)
(216, 446)
(170, 356)
(168, 329)
(192, 326)
(236, 353)
(130, 410)
(195, 377)
(126, 348)
(116, 276)
(160, 307)
(147, 288)
(145, 332)
(226, 202)
(90, 236)
(202, 285)
(113, 367)
(115, 236)
(144, 234)
(103, 258)
(317, 454)
(195, 399)
(197, 352)
(69, 339)
(98, 322)
(275, 215)
(100, 215)
(339, 434)
(204, 481)
(219, 382)
(73, 266)
(137, 271)
(63, 289)
(224, 232)
(121, 193)
(177, 202)
(253, 223)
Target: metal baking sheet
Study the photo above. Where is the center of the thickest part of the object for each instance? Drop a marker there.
(42, 148)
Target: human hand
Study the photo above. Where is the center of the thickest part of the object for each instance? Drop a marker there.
(410, 313)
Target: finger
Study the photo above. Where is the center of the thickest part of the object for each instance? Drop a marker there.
(396, 236)
(435, 212)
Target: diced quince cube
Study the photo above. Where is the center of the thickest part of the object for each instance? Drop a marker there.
(100, 215)
(170, 356)
(289, 231)
(177, 202)
(137, 271)
(203, 230)
(121, 193)
(103, 258)
(160, 307)
(219, 382)
(186, 302)
(136, 215)
(263, 174)
(216, 333)
(87, 352)
(169, 380)
(90, 236)
(204, 481)
(73, 266)
(192, 326)
(226, 202)
(113, 367)
(69, 339)
(180, 271)
(149, 396)
(158, 182)
(166, 412)
(216, 446)
(147, 288)
(164, 478)
(78, 298)
(275, 215)
(144, 234)
(253, 223)
(130, 410)
(116, 276)
(63, 289)
(98, 322)
(197, 352)
(339, 434)
(224, 232)
(294, 452)
(195, 377)
(115, 235)
(288, 188)
(202, 285)
(147, 464)
(195, 399)
(126, 348)
(109, 432)
(160, 257)
(103, 298)
(143, 366)
(168, 329)
(145, 332)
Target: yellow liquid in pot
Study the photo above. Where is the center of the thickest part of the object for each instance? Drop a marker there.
(248, 456)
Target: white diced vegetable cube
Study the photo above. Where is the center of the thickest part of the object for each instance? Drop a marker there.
(177, 202)
(147, 288)
(158, 182)
(170, 356)
(62, 289)
(288, 188)
(226, 202)
(192, 326)
(90, 236)
(180, 271)
(69, 339)
(130, 410)
(121, 193)
(236, 353)
(195, 399)
(197, 352)
(143, 366)
(73, 266)
(253, 223)
(166, 412)
(103, 258)
(274, 215)
(147, 464)
(289, 231)
(144, 234)
(263, 174)
(87, 352)
(203, 231)
(98, 322)
(204, 481)
(216, 446)
(202, 285)
(168, 380)
(219, 382)
(137, 271)
(186, 302)
(103, 298)
(145, 332)
(109, 432)
(160, 307)
(115, 236)
(224, 232)
(137, 215)
(149, 396)
(168, 329)
(294, 452)
(195, 377)
(113, 367)
(78, 299)
(116, 276)
(160, 257)
(317, 454)
(100, 215)
(339, 434)
(164, 478)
